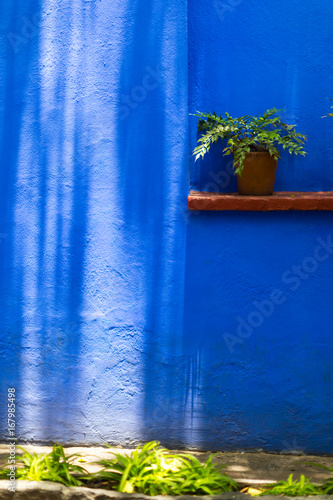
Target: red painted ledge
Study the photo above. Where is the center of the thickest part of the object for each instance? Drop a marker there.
(284, 200)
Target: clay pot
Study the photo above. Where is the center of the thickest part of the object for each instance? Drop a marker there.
(258, 176)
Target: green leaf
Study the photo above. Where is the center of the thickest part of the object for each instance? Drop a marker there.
(154, 470)
(265, 132)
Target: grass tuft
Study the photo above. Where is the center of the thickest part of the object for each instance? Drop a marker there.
(291, 488)
(327, 487)
(153, 470)
(54, 466)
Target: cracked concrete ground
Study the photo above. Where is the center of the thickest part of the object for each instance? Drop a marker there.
(245, 468)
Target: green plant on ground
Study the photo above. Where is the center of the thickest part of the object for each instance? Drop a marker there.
(54, 466)
(153, 470)
(292, 488)
(327, 487)
(247, 134)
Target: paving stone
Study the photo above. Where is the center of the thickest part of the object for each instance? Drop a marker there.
(31, 490)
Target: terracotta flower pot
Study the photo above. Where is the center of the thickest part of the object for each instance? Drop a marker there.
(258, 176)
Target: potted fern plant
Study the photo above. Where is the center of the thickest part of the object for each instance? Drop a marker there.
(254, 141)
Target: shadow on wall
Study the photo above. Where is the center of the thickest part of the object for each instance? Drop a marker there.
(93, 182)
(154, 188)
(44, 195)
(15, 62)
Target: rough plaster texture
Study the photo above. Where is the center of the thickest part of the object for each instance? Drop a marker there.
(245, 58)
(93, 147)
(97, 335)
(267, 384)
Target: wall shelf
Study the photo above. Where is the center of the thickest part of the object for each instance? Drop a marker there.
(284, 200)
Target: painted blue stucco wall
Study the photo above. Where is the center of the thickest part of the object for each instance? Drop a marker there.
(258, 295)
(94, 112)
(120, 311)
(245, 58)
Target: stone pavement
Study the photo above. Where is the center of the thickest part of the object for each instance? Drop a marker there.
(29, 490)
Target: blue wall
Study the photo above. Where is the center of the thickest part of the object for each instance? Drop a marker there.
(94, 113)
(266, 367)
(120, 311)
(245, 59)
